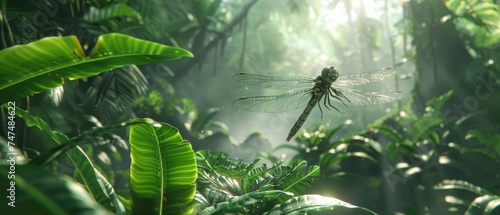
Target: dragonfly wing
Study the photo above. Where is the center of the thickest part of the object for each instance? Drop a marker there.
(275, 82)
(363, 98)
(275, 104)
(364, 78)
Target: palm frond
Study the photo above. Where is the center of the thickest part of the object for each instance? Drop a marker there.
(113, 91)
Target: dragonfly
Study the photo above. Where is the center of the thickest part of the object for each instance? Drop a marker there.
(327, 88)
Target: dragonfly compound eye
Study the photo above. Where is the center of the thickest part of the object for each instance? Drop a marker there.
(333, 73)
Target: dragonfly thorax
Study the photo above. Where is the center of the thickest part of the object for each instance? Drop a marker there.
(329, 74)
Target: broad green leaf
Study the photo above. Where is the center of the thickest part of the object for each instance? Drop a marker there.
(37, 191)
(43, 64)
(162, 171)
(111, 11)
(306, 203)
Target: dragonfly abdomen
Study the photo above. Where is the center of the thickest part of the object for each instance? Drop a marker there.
(296, 127)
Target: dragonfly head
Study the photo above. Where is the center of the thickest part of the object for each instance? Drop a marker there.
(330, 74)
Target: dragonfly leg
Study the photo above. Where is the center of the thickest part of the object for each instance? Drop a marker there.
(324, 102)
(338, 96)
(319, 105)
(329, 104)
(341, 94)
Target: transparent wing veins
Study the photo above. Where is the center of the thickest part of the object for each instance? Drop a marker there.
(275, 104)
(364, 78)
(364, 98)
(274, 82)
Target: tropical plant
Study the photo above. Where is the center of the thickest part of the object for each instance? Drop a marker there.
(484, 201)
(161, 161)
(478, 20)
(66, 59)
(429, 157)
(45, 64)
(232, 186)
(421, 149)
(46, 193)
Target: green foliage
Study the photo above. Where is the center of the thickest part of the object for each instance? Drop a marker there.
(92, 178)
(410, 148)
(112, 92)
(37, 191)
(422, 149)
(478, 19)
(162, 172)
(493, 140)
(66, 59)
(480, 12)
(319, 147)
(235, 204)
(152, 101)
(310, 145)
(203, 120)
(205, 13)
(245, 177)
(160, 160)
(484, 203)
(53, 153)
(309, 203)
(232, 186)
(199, 123)
(110, 11)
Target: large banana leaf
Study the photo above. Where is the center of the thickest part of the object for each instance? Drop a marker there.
(37, 191)
(43, 64)
(162, 172)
